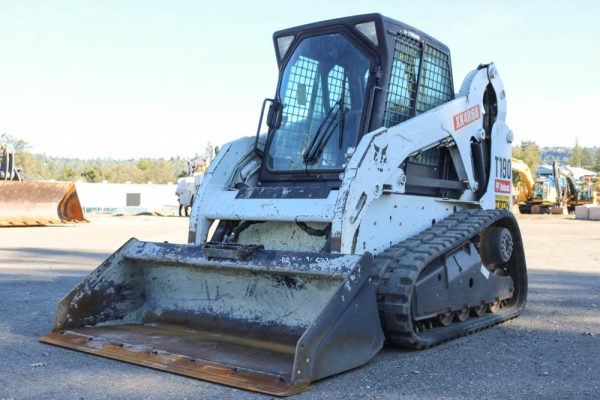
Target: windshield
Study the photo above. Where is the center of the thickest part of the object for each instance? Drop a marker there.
(584, 191)
(541, 188)
(323, 91)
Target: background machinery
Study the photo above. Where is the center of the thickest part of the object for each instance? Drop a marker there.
(524, 185)
(28, 202)
(187, 186)
(586, 192)
(553, 191)
(568, 190)
(376, 206)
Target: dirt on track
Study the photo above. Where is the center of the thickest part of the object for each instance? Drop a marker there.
(551, 352)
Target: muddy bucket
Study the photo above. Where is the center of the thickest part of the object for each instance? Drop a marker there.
(268, 321)
(24, 203)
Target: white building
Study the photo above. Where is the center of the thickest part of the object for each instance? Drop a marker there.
(126, 197)
(579, 173)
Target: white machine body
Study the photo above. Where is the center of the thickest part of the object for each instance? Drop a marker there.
(370, 210)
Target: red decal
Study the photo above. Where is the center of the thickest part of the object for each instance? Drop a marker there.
(466, 117)
(502, 186)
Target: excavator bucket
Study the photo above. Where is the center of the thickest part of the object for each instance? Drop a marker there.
(24, 203)
(263, 320)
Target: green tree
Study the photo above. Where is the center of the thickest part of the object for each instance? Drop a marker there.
(160, 171)
(40, 166)
(588, 157)
(529, 152)
(90, 174)
(578, 157)
(597, 160)
(96, 173)
(145, 164)
(67, 174)
(31, 166)
(18, 145)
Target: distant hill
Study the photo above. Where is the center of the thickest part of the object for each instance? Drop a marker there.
(589, 156)
(560, 154)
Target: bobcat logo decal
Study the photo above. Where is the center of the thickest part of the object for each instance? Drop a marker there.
(380, 155)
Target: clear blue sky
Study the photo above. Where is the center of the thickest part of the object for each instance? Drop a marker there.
(128, 79)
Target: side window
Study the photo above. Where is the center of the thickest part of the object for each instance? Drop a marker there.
(402, 90)
(420, 80)
(435, 87)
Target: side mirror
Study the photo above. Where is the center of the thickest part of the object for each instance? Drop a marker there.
(273, 119)
(274, 114)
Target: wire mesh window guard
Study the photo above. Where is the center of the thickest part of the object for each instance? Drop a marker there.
(321, 69)
(420, 80)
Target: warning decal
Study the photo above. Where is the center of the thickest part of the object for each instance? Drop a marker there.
(502, 202)
(502, 186)
(466, 117)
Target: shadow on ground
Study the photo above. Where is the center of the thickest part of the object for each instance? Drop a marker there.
(546, 353)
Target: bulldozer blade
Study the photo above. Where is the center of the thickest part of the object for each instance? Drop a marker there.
(262, 320)
(25, 203)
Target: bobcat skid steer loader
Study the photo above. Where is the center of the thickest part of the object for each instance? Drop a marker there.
(375, 207)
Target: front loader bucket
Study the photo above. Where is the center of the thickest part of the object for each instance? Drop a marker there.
(263, 320)
(24, 203)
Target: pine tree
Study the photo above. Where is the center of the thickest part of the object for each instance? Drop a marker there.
(597, 160)
(578, 156)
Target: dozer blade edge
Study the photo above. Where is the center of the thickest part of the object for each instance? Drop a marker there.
(30, 203)
(268, 321)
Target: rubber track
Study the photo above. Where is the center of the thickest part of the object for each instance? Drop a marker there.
(401, 265)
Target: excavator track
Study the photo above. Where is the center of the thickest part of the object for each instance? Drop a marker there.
(401, 265)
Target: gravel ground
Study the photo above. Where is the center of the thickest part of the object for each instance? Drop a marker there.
(551, 352)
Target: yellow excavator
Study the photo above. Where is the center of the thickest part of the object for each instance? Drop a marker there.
(524, 185)
(29, 202)
(586, 192)
(554, 191)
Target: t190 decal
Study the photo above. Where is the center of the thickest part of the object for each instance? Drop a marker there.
(502, 184)
(503, 168)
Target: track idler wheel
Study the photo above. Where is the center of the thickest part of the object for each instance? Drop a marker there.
(445, 319)
(496, 246)
(462, 315)
(494, 307)
(479, 311)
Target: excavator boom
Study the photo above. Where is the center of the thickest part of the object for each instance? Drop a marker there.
(527, 180)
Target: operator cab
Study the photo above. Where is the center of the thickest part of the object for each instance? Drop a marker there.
(340, 79)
